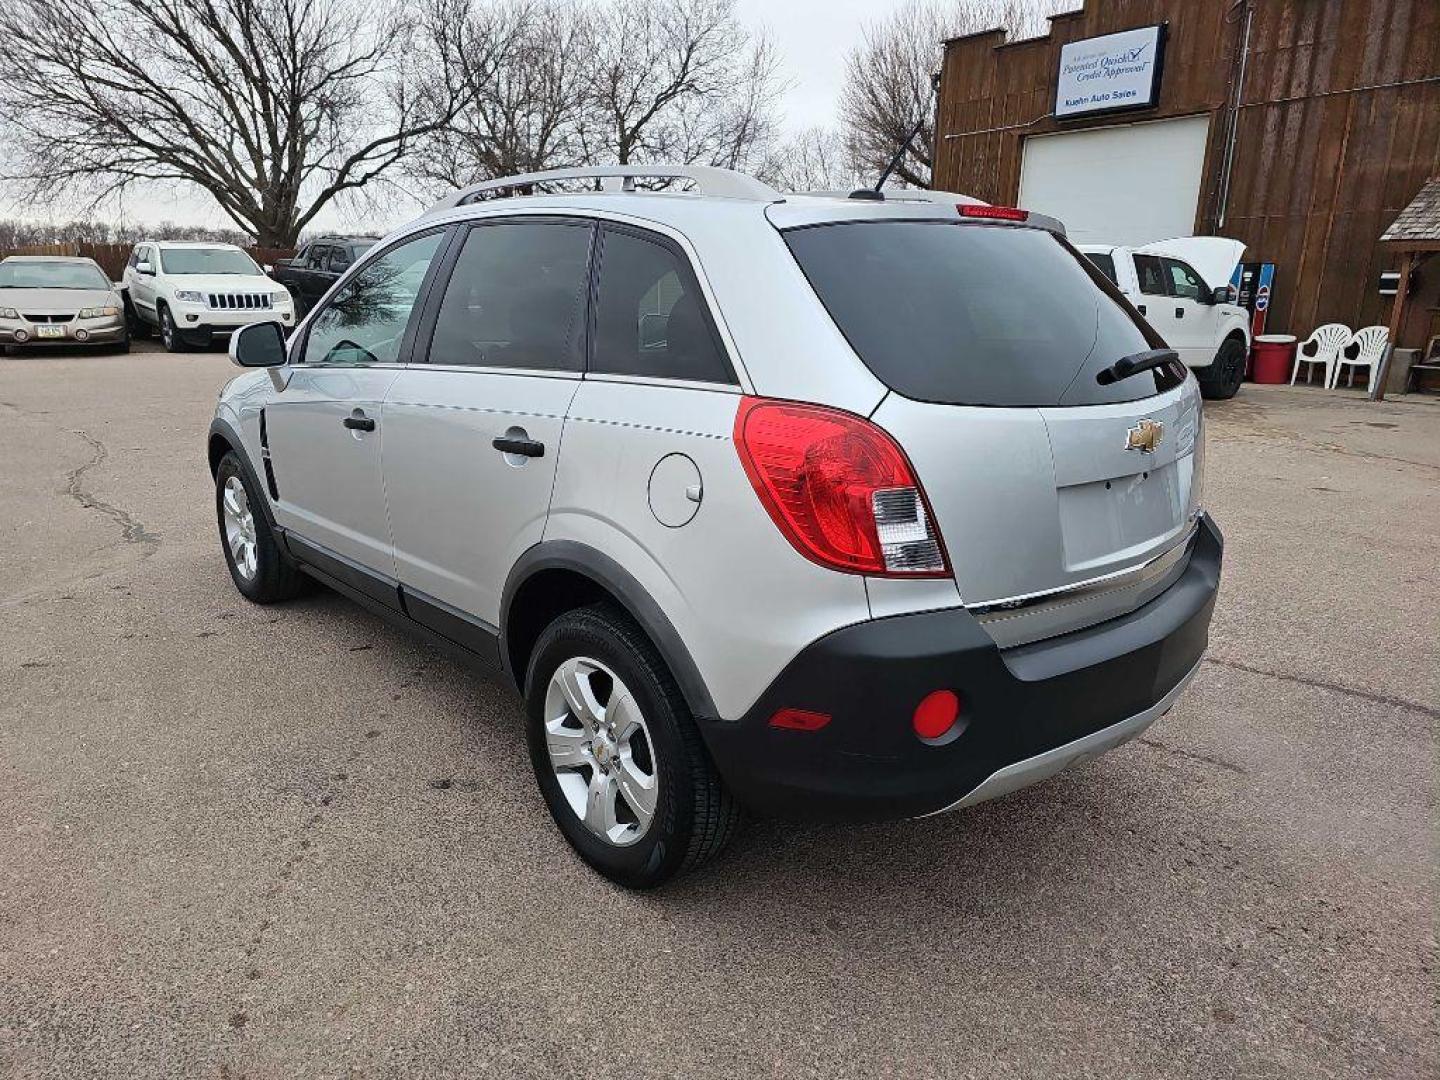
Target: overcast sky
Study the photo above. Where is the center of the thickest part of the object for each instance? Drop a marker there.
(813, 37)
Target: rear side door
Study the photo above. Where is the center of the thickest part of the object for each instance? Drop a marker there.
(472, 435)
(1154, 301)
(324, 428)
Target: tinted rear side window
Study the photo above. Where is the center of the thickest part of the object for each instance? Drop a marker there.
(650, 317)
(968, 314)
(1105, 262)
(516, 298)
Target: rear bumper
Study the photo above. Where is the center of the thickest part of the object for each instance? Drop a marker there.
(1027, 711)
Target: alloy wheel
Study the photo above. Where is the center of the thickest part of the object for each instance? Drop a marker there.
(601, 751)
(239, 527)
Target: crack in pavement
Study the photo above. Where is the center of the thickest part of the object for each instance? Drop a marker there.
(1320, 684)
(1190, 755)
(132, 530)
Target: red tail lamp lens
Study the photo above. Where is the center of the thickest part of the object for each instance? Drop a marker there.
(936, 714)
(799, 720)
(839, 488)
(993, 213)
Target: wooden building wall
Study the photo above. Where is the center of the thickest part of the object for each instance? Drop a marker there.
(1339, 125)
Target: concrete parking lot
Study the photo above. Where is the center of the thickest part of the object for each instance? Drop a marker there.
(284, 842)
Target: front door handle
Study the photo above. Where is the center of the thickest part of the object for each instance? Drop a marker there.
(1179, 313)
(524, 447)
(359, 422)
(1142, 309)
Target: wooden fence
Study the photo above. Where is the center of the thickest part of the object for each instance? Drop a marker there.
(113, 257)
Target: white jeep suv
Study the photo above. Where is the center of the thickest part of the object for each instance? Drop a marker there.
(845, 508)
(195, 292)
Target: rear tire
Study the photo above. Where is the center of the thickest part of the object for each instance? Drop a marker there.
(260, 570)
(1221, 380)
(584, 754)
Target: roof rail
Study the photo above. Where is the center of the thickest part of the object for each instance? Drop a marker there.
(708, 180)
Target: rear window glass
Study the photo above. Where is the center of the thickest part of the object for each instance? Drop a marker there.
(967, 314)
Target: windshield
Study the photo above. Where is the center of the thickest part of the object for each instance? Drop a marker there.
(51, 275)
(965, 314)
(207, 261)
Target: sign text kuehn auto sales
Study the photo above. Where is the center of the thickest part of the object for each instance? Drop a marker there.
(1105, 74)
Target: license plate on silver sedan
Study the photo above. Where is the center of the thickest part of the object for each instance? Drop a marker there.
(50, 331)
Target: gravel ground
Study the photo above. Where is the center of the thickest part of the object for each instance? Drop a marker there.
(292, 842)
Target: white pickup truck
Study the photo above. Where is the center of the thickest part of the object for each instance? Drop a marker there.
(1182, 287)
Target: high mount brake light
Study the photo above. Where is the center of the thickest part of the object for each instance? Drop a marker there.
(993, 213)
(839, 489)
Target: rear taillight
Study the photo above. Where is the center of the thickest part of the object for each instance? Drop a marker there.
(839, 488)
(993, 213)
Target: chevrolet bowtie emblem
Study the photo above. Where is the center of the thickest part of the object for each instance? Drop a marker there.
(1145, 436)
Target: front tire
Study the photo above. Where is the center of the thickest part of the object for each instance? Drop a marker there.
(258, 567)
(617, 755)
(169, 332)
(1221, 380)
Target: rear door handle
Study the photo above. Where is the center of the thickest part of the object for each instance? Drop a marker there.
(1179, 313)
(524, 447)
(359, 422)
(1142, 309)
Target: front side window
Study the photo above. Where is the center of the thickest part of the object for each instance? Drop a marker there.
(516, 298)
(1184, 283)
(365, 322)
(181, 261)
(650, 316)
(1151, 275)
(315, 257)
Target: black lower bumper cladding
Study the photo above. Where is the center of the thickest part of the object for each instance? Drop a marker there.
(868, 764)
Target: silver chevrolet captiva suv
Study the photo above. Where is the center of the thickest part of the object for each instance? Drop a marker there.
(839, 506)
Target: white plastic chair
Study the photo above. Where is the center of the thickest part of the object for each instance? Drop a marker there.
(1322, 347)
(1369, 345)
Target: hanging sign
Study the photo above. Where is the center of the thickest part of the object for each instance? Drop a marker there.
(1110, 73)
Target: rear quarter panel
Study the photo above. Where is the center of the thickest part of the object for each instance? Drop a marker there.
(742, 599)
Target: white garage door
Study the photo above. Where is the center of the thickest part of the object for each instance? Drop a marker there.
(1130, 184)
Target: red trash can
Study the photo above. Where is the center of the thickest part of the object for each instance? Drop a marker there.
(1274, 357)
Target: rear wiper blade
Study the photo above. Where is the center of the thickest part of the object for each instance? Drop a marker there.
(1136, 363)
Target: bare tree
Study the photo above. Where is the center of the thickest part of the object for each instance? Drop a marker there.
(678, 80)
(816, 159)
(555, 83)
(273, 107)
(523, 65)
(888, 78)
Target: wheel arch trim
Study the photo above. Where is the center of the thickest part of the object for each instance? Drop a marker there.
(225, 430)
(627, 591)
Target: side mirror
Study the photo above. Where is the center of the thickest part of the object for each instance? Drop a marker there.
(269, 268)
(144, 268)
(1223, 295)
(258, 345)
